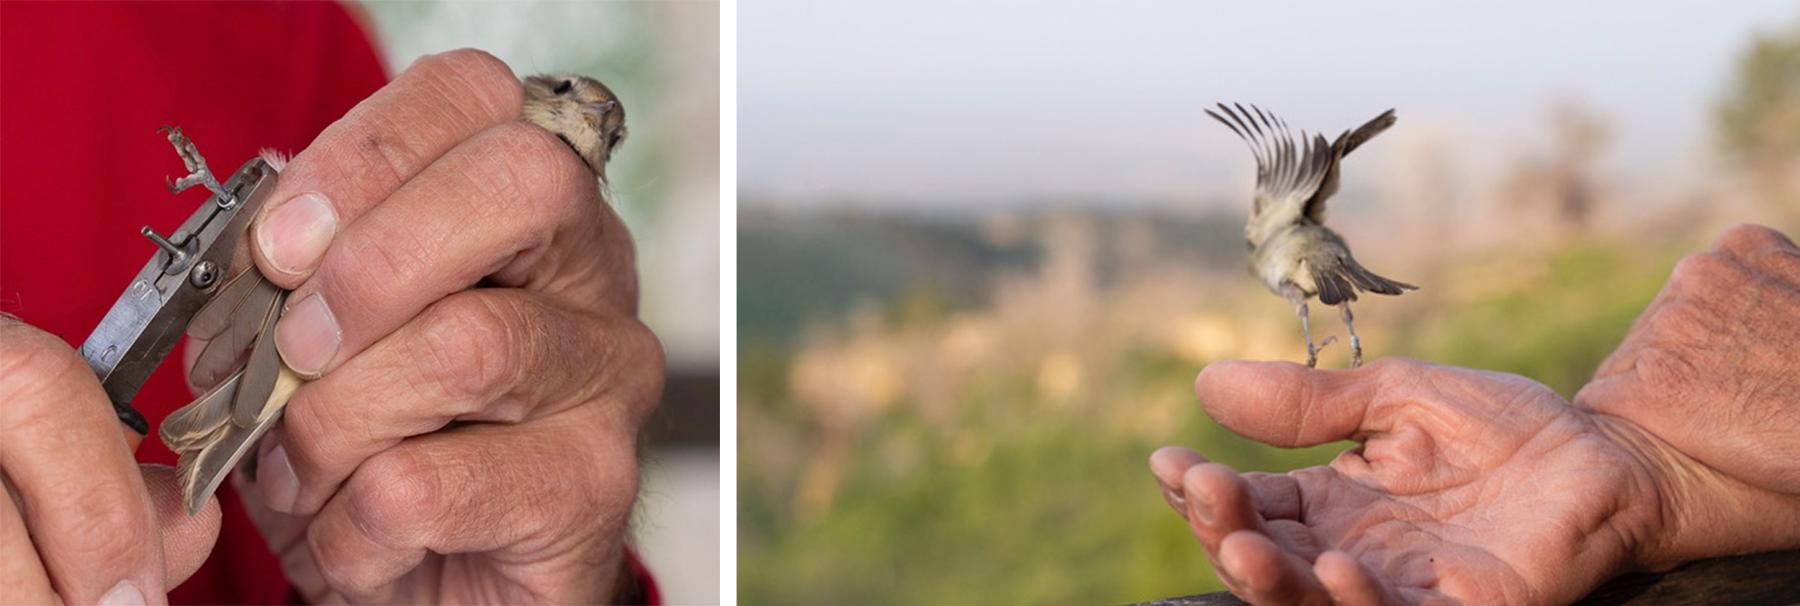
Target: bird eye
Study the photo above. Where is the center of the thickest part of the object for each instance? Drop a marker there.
(563, 89)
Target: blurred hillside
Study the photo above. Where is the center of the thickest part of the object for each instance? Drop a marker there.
(817, 266)
(959, 409)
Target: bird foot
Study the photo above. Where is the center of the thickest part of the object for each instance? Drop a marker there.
(1312, 351)
(1355, 352)
(198, 172)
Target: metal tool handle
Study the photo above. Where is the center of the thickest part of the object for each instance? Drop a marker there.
(144, 324)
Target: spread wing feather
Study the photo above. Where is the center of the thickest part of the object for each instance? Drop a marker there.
(1345, 143)
(1288, 168)
(1292, 169)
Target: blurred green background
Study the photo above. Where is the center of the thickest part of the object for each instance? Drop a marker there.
(955, 403)
(662, 59)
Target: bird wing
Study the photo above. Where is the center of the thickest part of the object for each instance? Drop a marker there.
(1315, 204)
(218, 430)
(1288, 169)
(230, 323)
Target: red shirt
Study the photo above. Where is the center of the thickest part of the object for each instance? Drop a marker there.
(82, 91)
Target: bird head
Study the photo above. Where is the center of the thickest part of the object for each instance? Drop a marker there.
(579, 110)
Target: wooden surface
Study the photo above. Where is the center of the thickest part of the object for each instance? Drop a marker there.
(1764, 578)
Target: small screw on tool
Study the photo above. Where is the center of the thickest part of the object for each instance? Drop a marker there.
(205, 274)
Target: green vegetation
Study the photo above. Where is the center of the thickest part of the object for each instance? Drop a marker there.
(1001, 485)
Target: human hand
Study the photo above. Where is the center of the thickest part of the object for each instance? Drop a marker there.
(458, 444)
(1468, 486)
(1712, 369)
(84, 522)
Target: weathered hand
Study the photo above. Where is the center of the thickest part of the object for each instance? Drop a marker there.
(469, 308)
(1472, 486)
(80, 521)
(1712, 368)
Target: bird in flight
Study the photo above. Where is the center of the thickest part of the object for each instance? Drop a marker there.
(1291, 250)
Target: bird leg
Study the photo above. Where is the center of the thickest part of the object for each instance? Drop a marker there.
(198, 173)
(1312, 352)
(1355, 343)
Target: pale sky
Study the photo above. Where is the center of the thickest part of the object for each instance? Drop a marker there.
(957, 104)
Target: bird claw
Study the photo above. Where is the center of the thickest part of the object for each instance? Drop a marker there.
(198, 173)
(1312, 351)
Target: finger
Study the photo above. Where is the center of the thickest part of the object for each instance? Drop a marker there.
(556, 493)
(1277, 495)
(81, 494)
(21, 573)
(187, 540)
(1271, 575)
(1350, 583)
(1168, 464)
(1229, 503)
(368, 154)
(285, 535)
(511, 200)
(1218, 504)
(1289, 405)
(500, 355)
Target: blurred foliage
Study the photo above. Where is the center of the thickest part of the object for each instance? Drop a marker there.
(1008, 491)
(1759, 118)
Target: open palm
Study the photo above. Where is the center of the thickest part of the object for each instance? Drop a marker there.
(1468, 486)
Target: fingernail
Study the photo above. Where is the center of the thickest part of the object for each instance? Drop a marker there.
(308, 335)
(123, 594)
(296, 233)
(275, 477)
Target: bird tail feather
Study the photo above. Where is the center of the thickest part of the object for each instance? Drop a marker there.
(1341, 283)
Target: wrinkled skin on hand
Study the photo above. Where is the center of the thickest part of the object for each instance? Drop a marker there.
(1469, 485)
(1713, 364)
(1484, 487)
(466, 305)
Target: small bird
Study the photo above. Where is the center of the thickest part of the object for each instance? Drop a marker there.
(249, 384)
(1291, 250)
(581, 111)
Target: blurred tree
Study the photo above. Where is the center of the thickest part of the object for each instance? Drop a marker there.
(1564, 183)
(1758, 119)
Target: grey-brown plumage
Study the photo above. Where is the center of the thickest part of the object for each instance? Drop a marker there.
(1291, 250)
(247, 383)
(579, 110)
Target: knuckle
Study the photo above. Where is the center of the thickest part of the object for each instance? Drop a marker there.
(29, 352)
(109, 528)
(316, 435)
(372, 272)
(1393, 367)
(637, 362)
(395, 494)
(1702, 272)
(345, 573)
(472, 344)
(34, 366)
(478, 76)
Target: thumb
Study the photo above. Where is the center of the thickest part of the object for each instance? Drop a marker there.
(1289, 405)
(187, 540)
